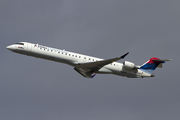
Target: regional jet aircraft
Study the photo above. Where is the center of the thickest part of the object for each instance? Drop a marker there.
(88, 66)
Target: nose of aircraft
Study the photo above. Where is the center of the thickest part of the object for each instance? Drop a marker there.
(10, 47)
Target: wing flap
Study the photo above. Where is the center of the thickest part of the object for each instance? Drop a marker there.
(85, 73)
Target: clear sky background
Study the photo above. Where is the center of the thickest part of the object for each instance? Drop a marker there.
(37, 89)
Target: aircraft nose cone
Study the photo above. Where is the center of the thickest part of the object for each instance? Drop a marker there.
(10, 47)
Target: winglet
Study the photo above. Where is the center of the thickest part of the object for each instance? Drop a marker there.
(124, 55)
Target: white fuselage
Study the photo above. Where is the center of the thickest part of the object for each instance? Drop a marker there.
(73, 59)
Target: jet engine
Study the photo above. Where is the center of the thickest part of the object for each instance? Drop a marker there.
(129, 65)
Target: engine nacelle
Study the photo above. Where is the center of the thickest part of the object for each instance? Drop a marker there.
(129, 65)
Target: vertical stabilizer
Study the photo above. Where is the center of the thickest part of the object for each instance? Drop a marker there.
(152, 64)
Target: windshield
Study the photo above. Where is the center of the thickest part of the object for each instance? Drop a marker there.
(20, 43)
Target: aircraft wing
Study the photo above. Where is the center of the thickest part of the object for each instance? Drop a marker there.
(87, 69)
(85, 73)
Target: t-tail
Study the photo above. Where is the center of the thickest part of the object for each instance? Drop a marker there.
(152, 64)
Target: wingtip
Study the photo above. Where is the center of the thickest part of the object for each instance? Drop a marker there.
(124, 55)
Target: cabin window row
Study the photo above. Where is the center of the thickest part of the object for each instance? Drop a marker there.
(76, 56)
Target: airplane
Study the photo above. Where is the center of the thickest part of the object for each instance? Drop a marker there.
(89, 66)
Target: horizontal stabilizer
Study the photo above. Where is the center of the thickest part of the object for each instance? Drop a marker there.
(162, 60)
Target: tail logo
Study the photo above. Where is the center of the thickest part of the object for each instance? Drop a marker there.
(150, 65)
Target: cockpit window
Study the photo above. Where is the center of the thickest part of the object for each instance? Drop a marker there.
(20, 43)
